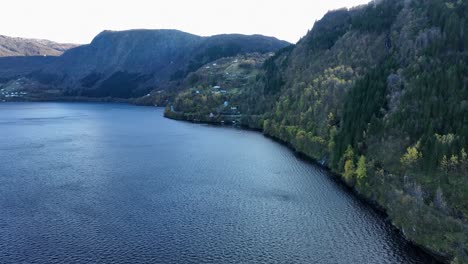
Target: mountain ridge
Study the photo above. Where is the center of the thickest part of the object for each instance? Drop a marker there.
(15, 46)
(131, 63)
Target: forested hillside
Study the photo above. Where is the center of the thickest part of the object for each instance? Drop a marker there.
(214, 92)
(379, 94)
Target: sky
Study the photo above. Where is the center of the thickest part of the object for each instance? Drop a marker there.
(78, 21)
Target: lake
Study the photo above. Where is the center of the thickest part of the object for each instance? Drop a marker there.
(114, 183)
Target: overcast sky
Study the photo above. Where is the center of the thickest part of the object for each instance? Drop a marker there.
(78, 21)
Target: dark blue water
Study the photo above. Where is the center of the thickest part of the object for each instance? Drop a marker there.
(109, 183)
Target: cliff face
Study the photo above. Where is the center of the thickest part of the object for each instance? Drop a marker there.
(378, 94)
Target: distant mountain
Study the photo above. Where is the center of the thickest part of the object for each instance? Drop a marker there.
(10, 46)
(126, 64)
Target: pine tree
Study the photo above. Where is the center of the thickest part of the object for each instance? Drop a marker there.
(463, 160)
(411, 157)
(454, 162)
(361, 171)
(349, 171)
(444, 164)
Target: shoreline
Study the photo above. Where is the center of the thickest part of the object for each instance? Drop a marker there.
(337, 178)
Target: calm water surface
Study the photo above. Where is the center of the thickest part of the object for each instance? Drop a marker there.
(110, 183)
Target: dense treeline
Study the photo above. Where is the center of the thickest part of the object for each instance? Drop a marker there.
(379, 94)
(328, 30)
(395, 127)
(272, 77)
(377, 17)
(363, 104)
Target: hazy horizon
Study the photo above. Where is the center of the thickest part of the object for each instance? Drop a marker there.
(78, 22)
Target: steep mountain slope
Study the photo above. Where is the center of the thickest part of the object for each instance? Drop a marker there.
(131, 63)
(379, 94)
(10, 46)
(15, 67)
